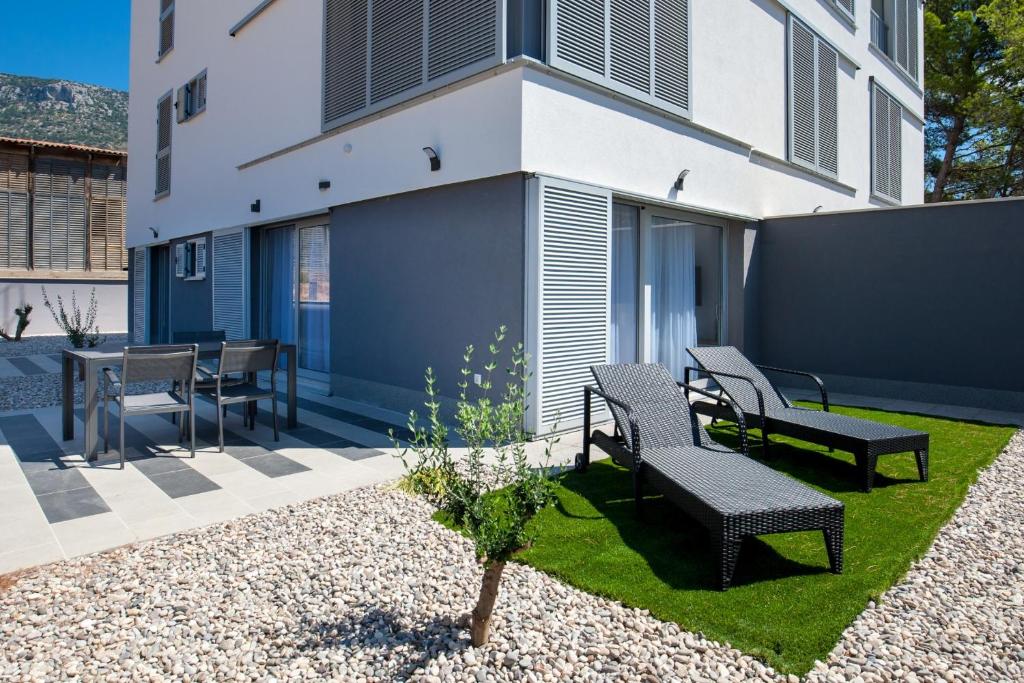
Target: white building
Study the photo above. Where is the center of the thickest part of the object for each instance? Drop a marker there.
(598, 170)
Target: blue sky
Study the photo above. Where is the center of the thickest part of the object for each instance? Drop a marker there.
(81, 40)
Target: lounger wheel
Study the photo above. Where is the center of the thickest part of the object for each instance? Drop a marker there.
(581, 463)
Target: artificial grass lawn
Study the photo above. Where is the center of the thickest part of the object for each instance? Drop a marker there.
(785, 607)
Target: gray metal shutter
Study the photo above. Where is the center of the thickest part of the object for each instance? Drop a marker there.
(572, 246)
(229, 300)
(887, 146)
(901, 10)
(164, 113)
(14, 177)
(459, 34)
(802, 94)
(396, 47)
(910, 26)
(828, 109)
(139, 295)
(345, 57)
(580, 38)
(672, 52)
(166, 26)
(630, 43)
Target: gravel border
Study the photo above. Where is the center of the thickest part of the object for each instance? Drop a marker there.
(46, 344)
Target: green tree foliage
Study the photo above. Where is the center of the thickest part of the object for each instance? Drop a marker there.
(974, 102)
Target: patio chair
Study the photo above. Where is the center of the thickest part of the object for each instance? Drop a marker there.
(171, 363)
(764, 406)
(661, 440)
(198, 337)
(235, 380)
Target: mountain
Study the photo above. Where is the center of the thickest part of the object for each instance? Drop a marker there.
(63, 111)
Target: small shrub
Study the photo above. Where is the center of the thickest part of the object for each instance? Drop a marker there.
(490, 492)
(23, 322)
(80, 331)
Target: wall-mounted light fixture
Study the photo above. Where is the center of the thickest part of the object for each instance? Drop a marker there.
(255, 206)
(435, 161)
(156, 233)
(681, 180)
(324, 185)
(817, 208)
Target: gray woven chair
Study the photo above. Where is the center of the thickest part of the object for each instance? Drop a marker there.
(764, 406)
(174, 364)
(235, 380)
(659, 438)
(197, 337)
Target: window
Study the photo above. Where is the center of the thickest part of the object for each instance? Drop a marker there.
(846, 7)
(894, 32)
(190, 259)
(166, 27)
(813, 100)
(886, 145)
(163, 145)
(381, 52)
(192, 98)
(639, 48)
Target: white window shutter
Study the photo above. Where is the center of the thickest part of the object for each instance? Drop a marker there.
(672, 52)
(895, 150)
(803, 101)
(229, 286)
(570, 255)
(179, 259)
(579, 39)
(139, 295)
(828, 109)
(200, 247)
(887, 145)
(166, 27)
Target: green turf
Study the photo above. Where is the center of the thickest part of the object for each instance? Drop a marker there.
(785, 607)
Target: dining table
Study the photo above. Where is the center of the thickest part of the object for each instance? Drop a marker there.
(90, 361)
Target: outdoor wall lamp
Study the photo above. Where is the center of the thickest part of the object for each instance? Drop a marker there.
(435, 161)
(324, 185)
(255, 206)
(681, 180)
(156, 233)
(818, 208)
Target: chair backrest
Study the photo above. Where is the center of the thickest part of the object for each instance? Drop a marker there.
(730, 359)
(198, 336)
(159, 363)
(250, 355)
(648, 388)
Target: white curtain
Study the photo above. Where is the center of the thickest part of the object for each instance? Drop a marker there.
(673, 309)
(625, 239)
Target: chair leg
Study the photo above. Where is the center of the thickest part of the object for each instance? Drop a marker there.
(120, 444)
(273, 409)
(638, 492)
(834, 545)
(922, 463)
(728, 549)
(220, 426)
(765, 443)
(192, 430)
(106, 424)
(252, 416)
(866, 464)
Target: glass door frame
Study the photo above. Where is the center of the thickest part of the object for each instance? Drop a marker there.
(645, 269)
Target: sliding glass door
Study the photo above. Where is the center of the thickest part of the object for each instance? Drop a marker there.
(667, 286)
(296, 292)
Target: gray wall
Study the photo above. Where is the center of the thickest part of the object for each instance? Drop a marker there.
(192, 300)
(111, 299)
(415, 278)
(925, 303)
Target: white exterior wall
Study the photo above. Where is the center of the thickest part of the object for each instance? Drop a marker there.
(265, 95)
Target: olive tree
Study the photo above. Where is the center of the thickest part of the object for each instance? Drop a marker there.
(486, 487)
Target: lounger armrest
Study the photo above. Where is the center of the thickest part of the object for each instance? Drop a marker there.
(740, 420)
(760, 397)
(634, 423)
(800, 373)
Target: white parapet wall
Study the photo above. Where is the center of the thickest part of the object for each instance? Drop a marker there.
(111, 299)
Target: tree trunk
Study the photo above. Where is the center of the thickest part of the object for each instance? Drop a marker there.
(952, 143)
(480, 626)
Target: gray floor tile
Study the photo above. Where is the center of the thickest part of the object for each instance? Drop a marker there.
(66, 505)
(275, 465)
(26, 366)
(181, 483)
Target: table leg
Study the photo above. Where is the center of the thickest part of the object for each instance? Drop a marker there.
(67, 379)
(293, 413)
(91, 413)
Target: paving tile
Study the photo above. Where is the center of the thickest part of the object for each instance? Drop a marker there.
(275, 465)
(275, 500)
(214, 506)
(26, 366)
(66, 505)
(30, 556)
(8, 370)
(144, 529)
(181, 483)
(50, 364)
(92, 534)
(247, 484)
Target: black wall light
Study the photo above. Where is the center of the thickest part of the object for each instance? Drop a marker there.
(324, 185)
(156, 233)
(435, 161)
(681, 180)
(255, 206)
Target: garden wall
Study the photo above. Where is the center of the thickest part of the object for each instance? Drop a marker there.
(111, 297)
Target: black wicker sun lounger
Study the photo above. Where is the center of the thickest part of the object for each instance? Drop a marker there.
(660, 439)
(764, 406)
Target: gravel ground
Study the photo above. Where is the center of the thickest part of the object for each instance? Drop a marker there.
(364, 586)
(30, 346)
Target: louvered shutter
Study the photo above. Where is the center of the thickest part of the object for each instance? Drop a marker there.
(139, 295)
(179, 259)
(887, 146)
(672, 52)
(910, 33)
(630, 43)
(107, 218)
(579, 36)
(13, 211)
(166, 26)
(345, 57)
(163, 144)
(229, 300)
(58, 215)
(828, 109)
(813, 100)
(460, 33)
(396, 47)
(846, 6)
(200, 247)
(572, 245)
(200, 93)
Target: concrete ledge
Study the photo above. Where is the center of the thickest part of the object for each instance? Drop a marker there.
(66, 275)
